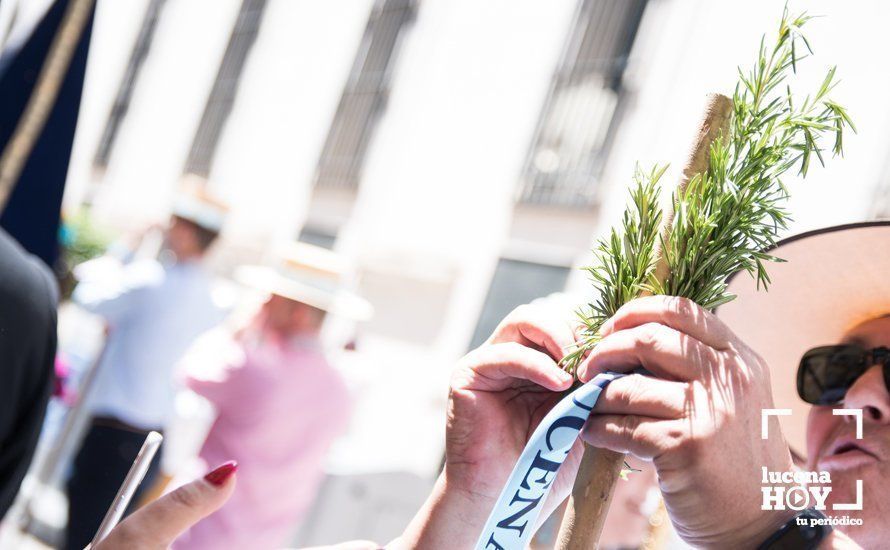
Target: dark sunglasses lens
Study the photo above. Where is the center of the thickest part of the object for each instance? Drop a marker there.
(826, 373)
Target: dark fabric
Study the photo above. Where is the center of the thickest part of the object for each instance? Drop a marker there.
(105, 457)
(28, 296)
(32, 213)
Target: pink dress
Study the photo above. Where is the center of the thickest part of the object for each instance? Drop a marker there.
(280, 406)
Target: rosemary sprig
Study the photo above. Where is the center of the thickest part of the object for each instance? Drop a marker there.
(625, 261)
(728, 215)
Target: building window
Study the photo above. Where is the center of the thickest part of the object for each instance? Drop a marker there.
(516, 282)
(222, 95)
(128, 83)
(364, 97)
(570, 145)
(318, 237)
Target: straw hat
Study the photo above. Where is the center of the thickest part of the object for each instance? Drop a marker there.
(308, 274)
(834, 279)
(195, 204)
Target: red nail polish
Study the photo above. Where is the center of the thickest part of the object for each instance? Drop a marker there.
(222, 473)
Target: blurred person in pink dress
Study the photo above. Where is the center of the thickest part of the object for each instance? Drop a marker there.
(280, 404)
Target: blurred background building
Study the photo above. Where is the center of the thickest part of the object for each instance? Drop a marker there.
(464, 155)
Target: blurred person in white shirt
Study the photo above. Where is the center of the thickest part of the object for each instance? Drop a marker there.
(153, 310)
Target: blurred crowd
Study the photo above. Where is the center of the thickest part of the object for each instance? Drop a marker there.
(276, 402)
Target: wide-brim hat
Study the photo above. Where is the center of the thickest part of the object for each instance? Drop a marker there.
(195, 204)
(308, 274)
(832, 280)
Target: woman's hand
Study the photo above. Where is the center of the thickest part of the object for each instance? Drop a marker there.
(158, 524)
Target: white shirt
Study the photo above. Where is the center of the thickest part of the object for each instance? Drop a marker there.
(153, 314)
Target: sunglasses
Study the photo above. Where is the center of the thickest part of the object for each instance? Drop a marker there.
(827, 372)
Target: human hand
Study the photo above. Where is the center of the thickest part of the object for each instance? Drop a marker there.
(698, 421)
(158, 524)
(499, 394)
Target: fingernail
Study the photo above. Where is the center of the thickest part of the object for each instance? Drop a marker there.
(606, 328)
(222, 473)
(582, 370)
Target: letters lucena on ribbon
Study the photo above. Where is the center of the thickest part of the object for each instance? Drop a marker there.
(516, 513)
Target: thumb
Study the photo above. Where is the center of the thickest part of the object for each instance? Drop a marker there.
(158, 524)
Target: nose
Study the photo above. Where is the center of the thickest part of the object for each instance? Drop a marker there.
(869, 393)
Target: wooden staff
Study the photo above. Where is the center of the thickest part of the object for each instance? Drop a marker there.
(600, 468)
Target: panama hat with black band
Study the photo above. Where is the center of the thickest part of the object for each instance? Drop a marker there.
(832, 280)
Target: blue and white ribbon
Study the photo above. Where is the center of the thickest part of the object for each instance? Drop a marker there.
(513, 520)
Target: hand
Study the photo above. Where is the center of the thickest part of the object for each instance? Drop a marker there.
(499, 393)
(158, 524)
(698, 421)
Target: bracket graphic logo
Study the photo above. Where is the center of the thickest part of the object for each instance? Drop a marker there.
(810, 489)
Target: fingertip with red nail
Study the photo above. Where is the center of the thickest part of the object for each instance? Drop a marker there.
(222, 473)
